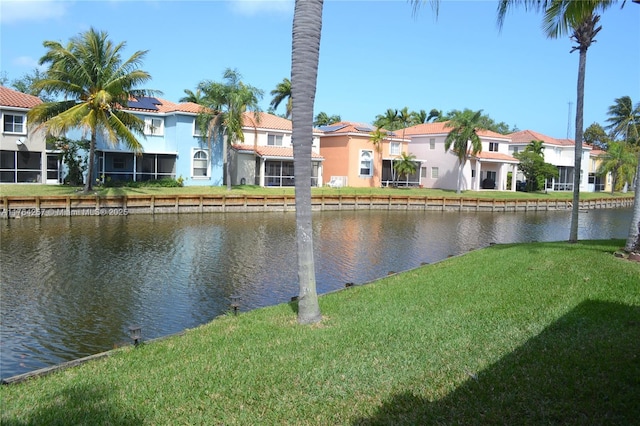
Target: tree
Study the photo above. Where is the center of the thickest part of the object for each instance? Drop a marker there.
(390, 120)
(406, 165)
(580, 18)
(323, 119)
(194, 97)
(224, 107)
(486, 122)
(464, 126)
(307, 26)
(95, 84)
(280, 93)
(620, 161)
(624, 120)
(26, 84)
(533, 167)
(70, 154)
(595, 136)
(633, 240)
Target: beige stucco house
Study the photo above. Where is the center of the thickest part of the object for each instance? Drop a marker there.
(265, 158)
(24, 157)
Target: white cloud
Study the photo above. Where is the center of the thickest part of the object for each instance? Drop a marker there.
(254, 7)
(16, 11)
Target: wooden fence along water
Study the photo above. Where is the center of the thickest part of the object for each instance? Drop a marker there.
(49, 206)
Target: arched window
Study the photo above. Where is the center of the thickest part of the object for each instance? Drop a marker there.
(200, 164)
(366, 163)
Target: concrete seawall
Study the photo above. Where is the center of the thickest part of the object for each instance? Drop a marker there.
(50, 206)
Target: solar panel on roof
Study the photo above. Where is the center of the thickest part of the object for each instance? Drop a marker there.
(145, 103)
(363, 128)
(332, 128)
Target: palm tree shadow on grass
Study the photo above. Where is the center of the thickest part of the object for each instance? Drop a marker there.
(85, 404)
(582, 369)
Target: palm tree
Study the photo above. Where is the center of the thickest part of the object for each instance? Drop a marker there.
(280, 93)
(536, 146)
(95, 84)
(580, 18)
(406, 166)
(390, 120)
(224, 105)
(620, 161)
(624, 120)
(307, 25)
(323, 119)
(464, 126)
(196, 97)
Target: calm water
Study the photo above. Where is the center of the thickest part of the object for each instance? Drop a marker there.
(70, 287)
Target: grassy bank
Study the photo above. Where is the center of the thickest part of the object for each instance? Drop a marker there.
(542, 333)
(14, 190)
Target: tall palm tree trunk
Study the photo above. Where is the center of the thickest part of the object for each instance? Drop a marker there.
(633, 242)
(307, 26)
(575, 208)
(88, 184)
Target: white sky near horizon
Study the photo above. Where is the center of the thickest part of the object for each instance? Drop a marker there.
(374, 55)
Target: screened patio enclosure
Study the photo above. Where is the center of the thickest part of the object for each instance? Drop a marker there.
(125, 166)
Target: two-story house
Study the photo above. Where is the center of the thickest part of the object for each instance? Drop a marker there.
(172, 147)
(23, 152)
(265, 158)
(487, 169)
(558, 152)
(352, 159)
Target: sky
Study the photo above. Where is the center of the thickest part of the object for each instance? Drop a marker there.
(374, 55)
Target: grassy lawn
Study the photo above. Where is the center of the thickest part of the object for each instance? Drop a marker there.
(541, 333)
(42, 190)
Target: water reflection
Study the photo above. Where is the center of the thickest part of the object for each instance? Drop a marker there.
(71, 286)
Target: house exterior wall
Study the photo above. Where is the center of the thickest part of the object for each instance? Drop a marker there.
(23, 156)
(562, 156)
(342, 158)
(177, 139)
(441, 166)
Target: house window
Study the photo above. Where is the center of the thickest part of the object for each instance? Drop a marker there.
(493, 146)
(432, 143)
(20, 166)
(394, 148)
(153, 126)
(119, 162)
(423, 172)
(14, 123)
(196, 128)
(200, 164)
(516, 149)
(435, 172)
(274, 140)
(366, 163)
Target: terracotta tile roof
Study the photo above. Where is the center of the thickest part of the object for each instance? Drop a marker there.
(497, 156)
(426, 129)
(164, 106)
(13, 98)
(440, 128)
(272, 151)
(595, 152)
(526, 136)
(266, 121)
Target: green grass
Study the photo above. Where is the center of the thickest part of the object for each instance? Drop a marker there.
(14, 190)
(541, 333)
